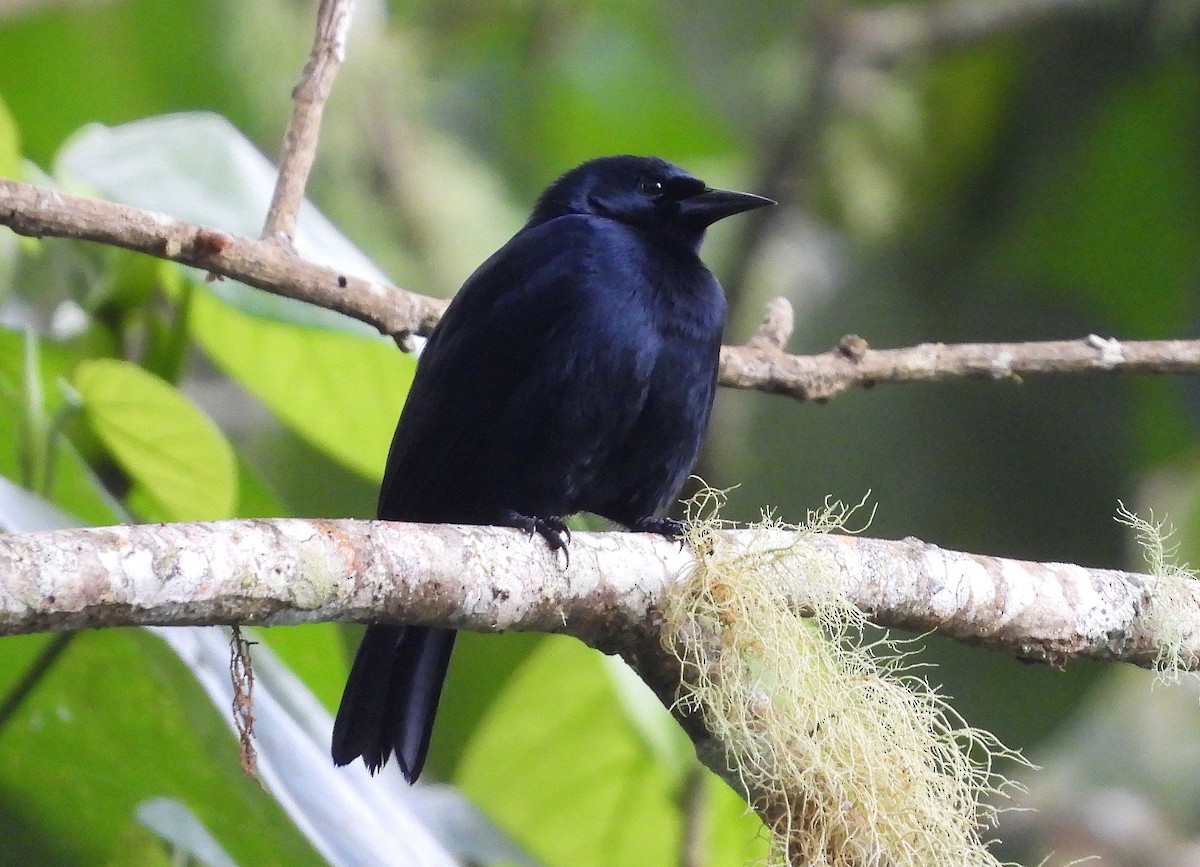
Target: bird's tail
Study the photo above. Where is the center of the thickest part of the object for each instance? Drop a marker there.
(391, 697)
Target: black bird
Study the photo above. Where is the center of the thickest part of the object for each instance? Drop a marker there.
(573, 372)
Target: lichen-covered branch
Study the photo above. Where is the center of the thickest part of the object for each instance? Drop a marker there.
(486, 578)
(761, 364)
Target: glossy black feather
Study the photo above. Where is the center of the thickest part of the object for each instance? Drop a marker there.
(574, 371)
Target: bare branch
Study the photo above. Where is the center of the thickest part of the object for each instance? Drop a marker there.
(38, 212)
(760, 365)
(488, 579)
(853, 363)
(309, 97)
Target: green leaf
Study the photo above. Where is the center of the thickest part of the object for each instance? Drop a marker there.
(314, 651)
(197, 166)
(734, 834)
(255, 498)
(339, 391)
(653, 722)
(480, 671)
(152, 57)
(119, 720)
(557, 764)
(179, 461)
(74, 488)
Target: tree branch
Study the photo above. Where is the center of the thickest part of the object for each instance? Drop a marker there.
(853, 363)
(38, 212)
(760, 365)
(309, 98)
(286, 571)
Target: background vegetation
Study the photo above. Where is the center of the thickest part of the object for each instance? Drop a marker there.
(1033, 176)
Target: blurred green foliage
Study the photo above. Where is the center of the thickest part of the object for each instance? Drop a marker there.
(1029, 182)
(111, 62)
(119, 720)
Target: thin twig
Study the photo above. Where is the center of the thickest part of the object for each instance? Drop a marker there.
(309, 97)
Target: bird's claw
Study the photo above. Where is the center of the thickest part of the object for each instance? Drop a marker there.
(553, 529)
(669, 527)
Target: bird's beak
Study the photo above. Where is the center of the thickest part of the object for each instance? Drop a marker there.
(711, 205)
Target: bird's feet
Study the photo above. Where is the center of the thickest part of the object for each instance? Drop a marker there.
(553, 529)
(668, 527)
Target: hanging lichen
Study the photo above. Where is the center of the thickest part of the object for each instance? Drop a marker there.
(853, 760)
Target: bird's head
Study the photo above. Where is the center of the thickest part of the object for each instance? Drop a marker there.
(647, 192)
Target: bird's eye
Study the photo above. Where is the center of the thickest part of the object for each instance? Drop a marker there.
(652, 188)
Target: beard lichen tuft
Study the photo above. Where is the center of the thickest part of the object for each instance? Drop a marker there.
(850, 758)
(1170, 616)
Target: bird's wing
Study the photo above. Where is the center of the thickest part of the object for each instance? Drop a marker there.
(542, 357)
